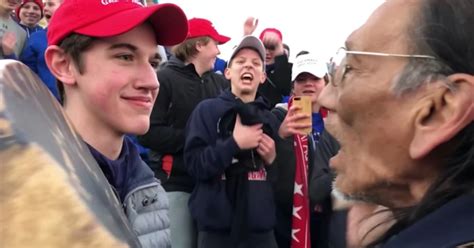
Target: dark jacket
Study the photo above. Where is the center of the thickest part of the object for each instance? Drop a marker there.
(208, 155)
(278, 83)
(33, 57)
(283, 178)
(321, 177)
(181, 89)
(143, 198)
(452, 225)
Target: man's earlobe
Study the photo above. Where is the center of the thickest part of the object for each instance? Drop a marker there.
(443, 114)
(199, 45)
(227, 73)
(264, 77)
(60, 64)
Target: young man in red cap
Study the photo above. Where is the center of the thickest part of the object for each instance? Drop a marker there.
(104, 55)
(33, 52)
(29, 14)
(186, 80)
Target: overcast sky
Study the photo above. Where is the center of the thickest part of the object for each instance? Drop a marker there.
(315, 25)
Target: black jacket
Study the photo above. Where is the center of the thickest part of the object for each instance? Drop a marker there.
(321, 177)
(208, 155)
(283, 178)
(451, 225)
(278, 83)
(181, 89)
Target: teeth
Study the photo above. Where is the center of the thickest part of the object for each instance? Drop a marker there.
(247, 76)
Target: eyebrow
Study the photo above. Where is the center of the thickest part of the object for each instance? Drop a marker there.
(123, 45)
(348, 45)
(132, 48)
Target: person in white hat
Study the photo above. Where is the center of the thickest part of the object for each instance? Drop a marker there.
(309, 76)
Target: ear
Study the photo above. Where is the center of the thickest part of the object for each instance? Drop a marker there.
(443, 114)
(199, 45)
(227, 73)
(60, 64)
(263, 77)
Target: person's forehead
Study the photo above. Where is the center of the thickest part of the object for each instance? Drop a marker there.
(246, 51)
(387, 28)
(30, 3)
(306, 75)
(130, 38)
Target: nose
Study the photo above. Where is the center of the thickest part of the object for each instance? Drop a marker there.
(328, 97)
(307, 82)
(147, 78)
(248, 64)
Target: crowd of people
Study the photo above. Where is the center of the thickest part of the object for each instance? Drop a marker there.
(220, 145)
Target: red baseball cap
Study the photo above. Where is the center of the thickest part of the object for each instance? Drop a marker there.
(105, 18)
(201, 27)
(274, 30)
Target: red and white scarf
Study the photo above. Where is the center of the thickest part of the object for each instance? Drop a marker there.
(300, 231)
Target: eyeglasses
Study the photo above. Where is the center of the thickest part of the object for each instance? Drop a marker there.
(337, 75)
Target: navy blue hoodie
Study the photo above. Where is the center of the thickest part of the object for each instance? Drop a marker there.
(207, 155)
(127, 172)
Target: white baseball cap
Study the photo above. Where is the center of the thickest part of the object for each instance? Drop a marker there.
(310, 64)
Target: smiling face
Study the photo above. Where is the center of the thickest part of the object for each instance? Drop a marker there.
(30, 14)
(245, 73)
(306, 84)
(118, 85)
(207, 54)
(370, 122)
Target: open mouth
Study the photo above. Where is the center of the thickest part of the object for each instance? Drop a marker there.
(246, 77)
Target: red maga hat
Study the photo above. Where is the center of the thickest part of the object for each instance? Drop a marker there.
(274, 30)
(105, 18)
(201, 27)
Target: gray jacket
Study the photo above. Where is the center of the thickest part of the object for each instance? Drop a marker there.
(144, 200)
(146, 207)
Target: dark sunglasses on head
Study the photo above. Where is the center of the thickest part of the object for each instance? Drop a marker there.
(270, 47)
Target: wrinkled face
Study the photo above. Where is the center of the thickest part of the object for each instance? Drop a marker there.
(368, 120)
(245, 72)
(50, 6)
(30, 14)
(9, 5)
(306, 84)
(208, 53)
(119, 85)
